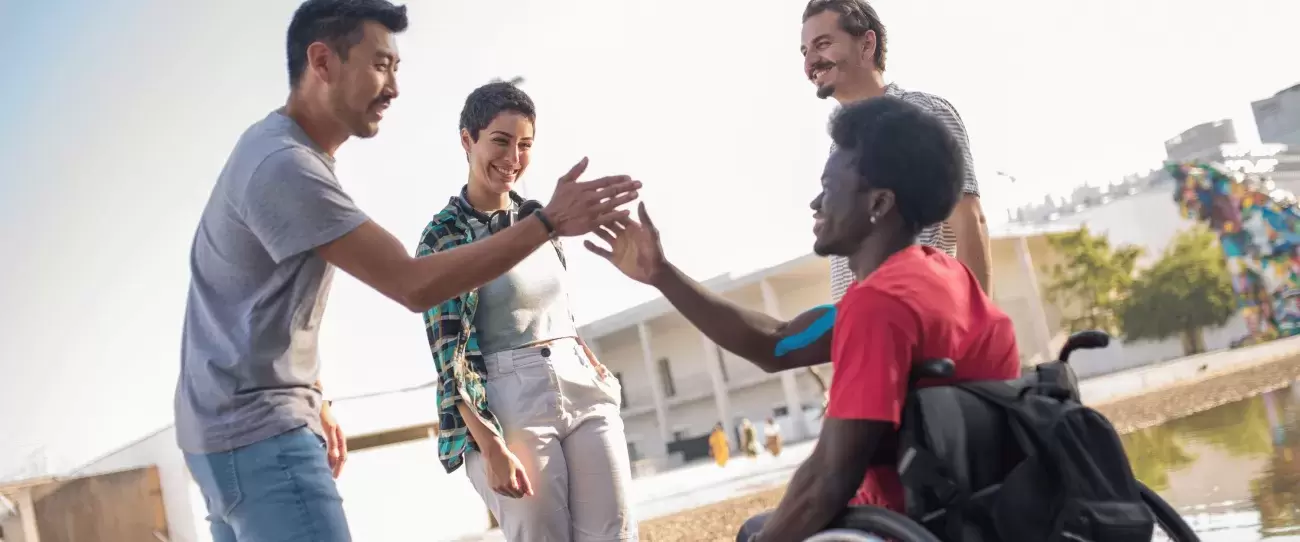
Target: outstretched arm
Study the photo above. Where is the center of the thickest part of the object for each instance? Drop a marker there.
(771, 343)
(375, 257)
(293, 205)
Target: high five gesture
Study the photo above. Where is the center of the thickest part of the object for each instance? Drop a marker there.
(577, 208)
(634, 248)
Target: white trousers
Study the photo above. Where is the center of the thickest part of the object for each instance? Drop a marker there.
(562, 421)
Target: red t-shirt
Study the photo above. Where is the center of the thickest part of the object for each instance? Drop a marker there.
(920, 304)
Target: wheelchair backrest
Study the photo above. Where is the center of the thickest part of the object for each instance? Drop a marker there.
(967, 434)
(1016, 461)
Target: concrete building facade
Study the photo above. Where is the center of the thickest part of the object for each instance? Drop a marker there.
(1200, 141)
(1278, 117)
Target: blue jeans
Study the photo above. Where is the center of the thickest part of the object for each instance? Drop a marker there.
(276, 490)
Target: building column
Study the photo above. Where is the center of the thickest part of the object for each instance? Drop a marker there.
(27, 515)
(789, 383)
(656, 387)
(721, 398)
(1038, 312)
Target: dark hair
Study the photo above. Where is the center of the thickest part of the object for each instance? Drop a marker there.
(856, 18)
(488, 101)
(901, 148)
(337, 23)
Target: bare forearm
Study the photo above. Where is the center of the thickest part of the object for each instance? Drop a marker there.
(826, 482)
(444, 275)
(812, 500)
(376, 258)
(747, 333)
(974, 252)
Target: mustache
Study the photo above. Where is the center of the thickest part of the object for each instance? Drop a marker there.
(823, 65)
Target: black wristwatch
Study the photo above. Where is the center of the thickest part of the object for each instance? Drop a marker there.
(550, 228)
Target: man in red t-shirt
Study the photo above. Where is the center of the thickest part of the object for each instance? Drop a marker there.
(894, 171)
(919, 304)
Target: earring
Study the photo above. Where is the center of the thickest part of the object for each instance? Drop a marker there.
(872, 219)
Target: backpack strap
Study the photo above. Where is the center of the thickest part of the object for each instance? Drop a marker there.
(932, 493)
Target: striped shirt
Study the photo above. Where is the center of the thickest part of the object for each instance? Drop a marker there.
(940, 235)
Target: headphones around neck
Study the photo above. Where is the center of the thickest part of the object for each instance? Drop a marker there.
(503, 218)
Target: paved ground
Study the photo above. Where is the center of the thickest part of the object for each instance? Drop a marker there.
(704, 483)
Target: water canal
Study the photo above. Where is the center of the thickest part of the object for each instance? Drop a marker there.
(1233, 471)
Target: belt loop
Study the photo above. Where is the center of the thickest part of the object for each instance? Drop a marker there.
(499, 363)
(507, 360)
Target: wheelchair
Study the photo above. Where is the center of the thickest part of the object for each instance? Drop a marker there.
(873, 524)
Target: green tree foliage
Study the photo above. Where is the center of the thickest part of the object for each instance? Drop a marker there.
(1183, 293)
(1154, 453)
(1090, 280)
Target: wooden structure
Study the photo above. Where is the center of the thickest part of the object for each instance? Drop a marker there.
(125, 505)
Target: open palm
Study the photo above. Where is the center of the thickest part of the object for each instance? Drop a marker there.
(633, 248)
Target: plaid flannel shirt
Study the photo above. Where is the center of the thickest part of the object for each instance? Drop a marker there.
(454, 343)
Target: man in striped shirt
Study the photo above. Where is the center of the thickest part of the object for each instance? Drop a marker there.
(843, 47)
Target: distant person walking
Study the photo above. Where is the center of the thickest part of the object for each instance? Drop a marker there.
(719, 448)
(772, 434)
(251, 418)
(748, 438)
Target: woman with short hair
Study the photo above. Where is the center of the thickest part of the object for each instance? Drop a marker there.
(523, 403)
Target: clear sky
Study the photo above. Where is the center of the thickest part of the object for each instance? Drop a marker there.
(116, 116)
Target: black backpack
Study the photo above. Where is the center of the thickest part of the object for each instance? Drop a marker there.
(1019, 461)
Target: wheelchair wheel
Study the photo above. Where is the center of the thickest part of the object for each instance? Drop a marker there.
(1168, 519)
(871, 524)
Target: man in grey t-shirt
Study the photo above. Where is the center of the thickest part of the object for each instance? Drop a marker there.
(258, 289)
(250, 416)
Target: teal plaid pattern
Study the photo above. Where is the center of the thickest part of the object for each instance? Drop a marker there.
(454, 344)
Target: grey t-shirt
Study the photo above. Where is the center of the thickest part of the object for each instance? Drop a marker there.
(257, 291)
(528, 304)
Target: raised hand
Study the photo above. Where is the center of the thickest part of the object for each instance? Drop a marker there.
(633, 248)
(577, 208)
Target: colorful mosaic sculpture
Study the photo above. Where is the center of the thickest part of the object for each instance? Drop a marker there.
(1259, 231)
